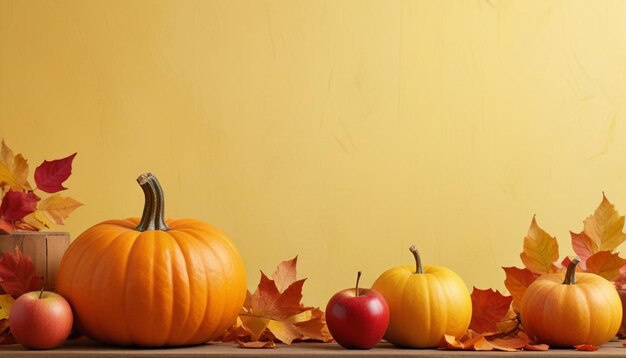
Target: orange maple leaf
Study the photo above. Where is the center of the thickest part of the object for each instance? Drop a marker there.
(540, 250)
(488, 308)
(586, 347)
(517, 281)
(274, 313)
(478, 342)
(606, 264)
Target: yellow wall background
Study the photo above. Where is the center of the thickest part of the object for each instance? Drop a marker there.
(342, 131)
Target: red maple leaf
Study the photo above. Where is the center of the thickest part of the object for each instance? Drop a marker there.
(488, 308)
(50, 175)
(17, 274)
(17, 204)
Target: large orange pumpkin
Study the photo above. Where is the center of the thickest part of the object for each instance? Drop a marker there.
(425, 302)
(153, 282)
(582, 308)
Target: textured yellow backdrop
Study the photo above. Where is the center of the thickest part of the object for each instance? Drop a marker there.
(342, 131)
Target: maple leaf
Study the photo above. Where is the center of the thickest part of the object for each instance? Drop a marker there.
(479, 342)
(583, 245)
(274, 312)
(17, 204)
(510, 324)
(620, 283)
(488, 308)
(517, 281)
(257, 344)
(540, 250)
(50, 175)
(13, 169)
(509, 344)
(312, 324)
(17, 274)
(36, 220)
(586, 347)
(606, 264)
(57, 207)
(285, 274)
(601, 231)
(536, 347)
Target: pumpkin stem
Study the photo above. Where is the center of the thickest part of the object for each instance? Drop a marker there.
(418, 259)
(153, 217)
(570, 274)
(358, 277)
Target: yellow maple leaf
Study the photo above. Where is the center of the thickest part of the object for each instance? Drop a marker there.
(540, 250)
(38, 220)
(284, 331)
(604, 227)
(58, 207)
(13, 169)
(254, 325)
(6, 304)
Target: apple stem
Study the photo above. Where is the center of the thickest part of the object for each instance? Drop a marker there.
(418, 259)
(570, 274)
(358, 277)
(41, 292)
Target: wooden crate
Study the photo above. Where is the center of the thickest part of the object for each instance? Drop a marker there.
(33, 244)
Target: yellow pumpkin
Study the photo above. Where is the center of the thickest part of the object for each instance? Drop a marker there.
(152, 282)
(424, 304)
(580, 308)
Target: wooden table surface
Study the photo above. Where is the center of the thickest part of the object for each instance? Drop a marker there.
(84, 347)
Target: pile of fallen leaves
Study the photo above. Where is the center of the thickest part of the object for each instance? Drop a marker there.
(273, 313)
(494, 326)
(495, 321)
(17, 276)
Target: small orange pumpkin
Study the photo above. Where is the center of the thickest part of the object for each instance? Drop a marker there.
(153, 282)
(582, 308)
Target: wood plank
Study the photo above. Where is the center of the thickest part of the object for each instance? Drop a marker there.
(84, 347)
(33, 244)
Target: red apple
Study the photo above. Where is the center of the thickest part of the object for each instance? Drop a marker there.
(357, 318)
(41, 320)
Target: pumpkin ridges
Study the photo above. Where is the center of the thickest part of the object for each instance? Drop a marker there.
(179, 320)
(139, 287)
(213, 322)
(441, 307)
(187, 248)
(201, 332)
(221, 247)
(192, 335)
(614, 320)
(103, 300)
(459, 325)
(164, 294)
(87, 249)
(236, 290)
